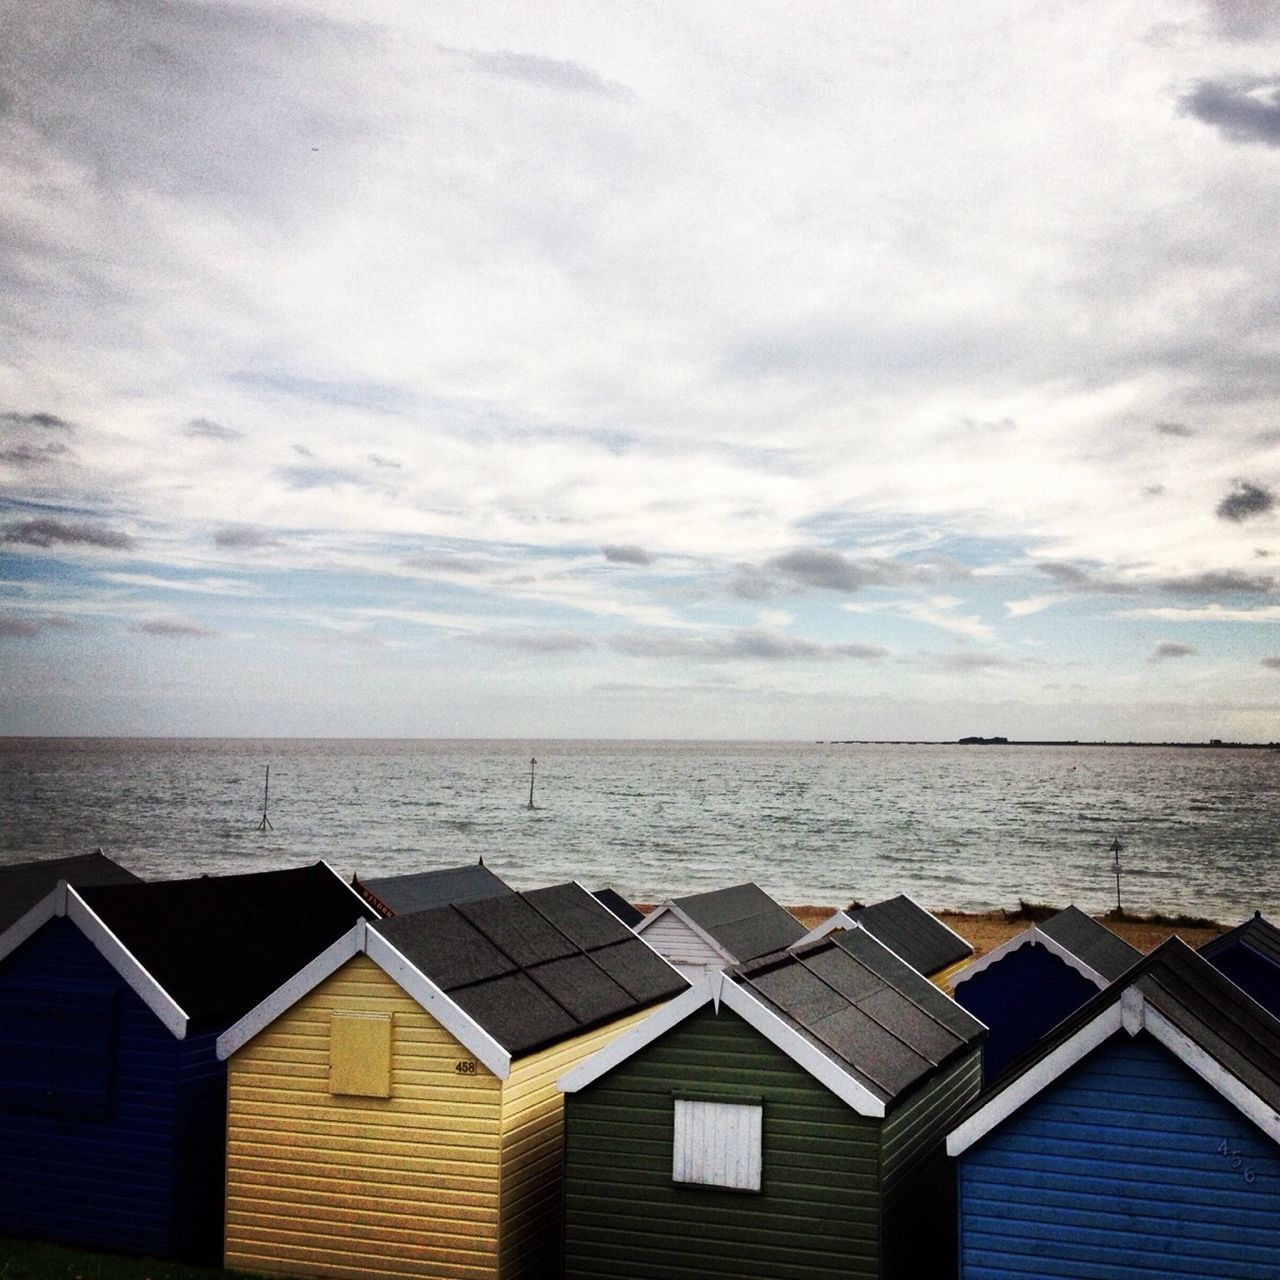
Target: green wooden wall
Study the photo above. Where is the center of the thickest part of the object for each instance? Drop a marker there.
(817, 1214)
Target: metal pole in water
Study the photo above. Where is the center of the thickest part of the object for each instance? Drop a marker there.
(265, 824)
(532, 761)
(1116, 847)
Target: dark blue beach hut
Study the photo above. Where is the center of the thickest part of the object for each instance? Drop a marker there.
(1141, 1137)
(1026, 986)
(112, 1097)
(1249, 955)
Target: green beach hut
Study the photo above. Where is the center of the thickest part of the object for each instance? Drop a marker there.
(781, 1119)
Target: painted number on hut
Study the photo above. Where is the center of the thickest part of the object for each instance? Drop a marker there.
(1237, 1160)
(464, 1067)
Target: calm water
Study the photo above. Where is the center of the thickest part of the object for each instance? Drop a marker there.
(968, 827)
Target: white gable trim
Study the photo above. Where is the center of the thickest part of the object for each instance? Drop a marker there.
(123, 961)
(688, 923)
(1035, 937)
(360, 939)
(839, 920)
(54, 903)
(1211, 1071)
(349, 887)
(1038, 1077)
(716, 989)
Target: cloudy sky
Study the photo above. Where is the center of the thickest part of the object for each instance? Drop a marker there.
(840, 370)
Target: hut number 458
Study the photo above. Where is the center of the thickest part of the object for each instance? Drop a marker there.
(1237, 1160)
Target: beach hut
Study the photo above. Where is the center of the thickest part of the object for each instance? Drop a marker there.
(781, 1119)
(424, 890)
(909, 930)
(704, 932)
(393, 1109)
(23, 884)
(112, 1097)
(1141, 1137)
(1027, 985)
(1249, 955)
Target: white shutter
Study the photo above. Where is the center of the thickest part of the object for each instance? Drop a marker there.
(717, 1144)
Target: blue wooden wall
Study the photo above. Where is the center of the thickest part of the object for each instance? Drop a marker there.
(112, 1133)
(1020, 997)
(1252, 973)
(1130, 1165)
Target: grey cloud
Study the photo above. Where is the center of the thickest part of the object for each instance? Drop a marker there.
(1246, 500)
(1220, 582)
(32, 455)
(1272, 663)
(832, 571)
(550, 73)
(754, 643)
(11, 627)
(1245, 110)
(625, 554)
(1072, 578)
(537, 641)
(45, 532)
(243, 538)
(1172, 649)
(171, 627)
(316, 477)
(970, 660)
(445, 562)
(1179, 429)
(379, 461)
(1245, 19)
(43, 421)
(1153, 491)
(207, 429)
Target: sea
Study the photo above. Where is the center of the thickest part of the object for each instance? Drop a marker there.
(967, 827)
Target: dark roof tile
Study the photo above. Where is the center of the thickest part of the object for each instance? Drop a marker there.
(910, 931)
(743, 919)
(1090, 941)
(23, 884)
(424, 890)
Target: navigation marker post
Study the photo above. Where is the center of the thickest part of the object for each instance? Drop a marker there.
(532, 761)
(1116, 848)
(265, 824)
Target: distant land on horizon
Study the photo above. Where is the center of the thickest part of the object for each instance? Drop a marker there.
(976, 741)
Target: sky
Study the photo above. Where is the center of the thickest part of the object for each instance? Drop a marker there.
(833, 371)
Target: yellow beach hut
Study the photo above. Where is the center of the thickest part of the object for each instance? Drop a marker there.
(392, 1111)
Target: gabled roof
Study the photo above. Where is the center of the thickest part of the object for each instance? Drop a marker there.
(23, 884)
(505, 975)
(423, 890)
(1257, 933)
(1230, 1041)
(620, 907)
(1079, 941)
(742, 921)
(203, 952)
(912, 932)
(852, 1014)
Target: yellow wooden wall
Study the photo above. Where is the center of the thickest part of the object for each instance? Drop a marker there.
(319, 1184)
(532, 1145)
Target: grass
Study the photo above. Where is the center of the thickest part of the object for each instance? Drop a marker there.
(1180, 921)
(1031, 911)
(33, 1260)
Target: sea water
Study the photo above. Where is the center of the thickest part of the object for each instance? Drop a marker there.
(970, 827)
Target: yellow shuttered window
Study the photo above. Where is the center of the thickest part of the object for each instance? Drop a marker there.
(360, 1054)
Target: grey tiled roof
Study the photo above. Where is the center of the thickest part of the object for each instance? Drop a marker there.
(743, 919)
(23, 884)
(537, 967)
(1094, 943)
(628, 914)
(921, 939)
(875, 1017)
(422, 890)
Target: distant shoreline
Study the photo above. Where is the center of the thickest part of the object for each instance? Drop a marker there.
(1214, 744)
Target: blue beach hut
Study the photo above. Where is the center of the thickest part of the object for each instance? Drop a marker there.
(112, 1097)
(1141, 1137)
(1026, 986)
(1249, 955)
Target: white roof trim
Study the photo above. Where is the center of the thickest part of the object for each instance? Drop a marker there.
(54, 903)
(752, 1011)
(360, 938)
(1031, 936)
(332, 958)
(350, 888)
(123, 961)
(1044, 1073)
(691, 924)
(1212, 1072)
(837, 920)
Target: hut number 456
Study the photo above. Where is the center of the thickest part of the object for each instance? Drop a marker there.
(1237, 1160)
